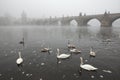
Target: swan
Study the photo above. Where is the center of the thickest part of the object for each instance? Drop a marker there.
(45, 50)
(87, 66)
(62, 56)
(108, 40)
(22, 42)
(75, 51)
(70, 45)
(92, 53)
(19, 60)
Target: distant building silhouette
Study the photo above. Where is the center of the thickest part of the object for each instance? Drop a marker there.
(80, 14)
(23, 18)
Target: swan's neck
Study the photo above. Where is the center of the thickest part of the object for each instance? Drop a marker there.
(91, 50)
(23, 39)
(81, 61)
(58, 52)
(19, 54)
(68, 42)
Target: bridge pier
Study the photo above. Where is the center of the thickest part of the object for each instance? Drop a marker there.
(106, 21)
(65, 23)
(82, 22)
(106, 24)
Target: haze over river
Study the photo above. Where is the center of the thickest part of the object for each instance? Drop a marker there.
(44, 66)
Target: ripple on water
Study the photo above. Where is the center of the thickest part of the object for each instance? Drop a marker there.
(0, 74)
(30, 63)
(41, 79)
(28, 75)
(59, 62)
(107, 71)
(42, 64)
(11, 78)
(6, 55)
(63, 76)
(37, 65)
(34, 51)
(92, 76)
(31, 74)
(23, 72)
(101, 76)
(11, 51)
(75, 75)
(86, 60)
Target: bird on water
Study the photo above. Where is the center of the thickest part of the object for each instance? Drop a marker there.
(87, 66)
(62, 56)
(20, 59)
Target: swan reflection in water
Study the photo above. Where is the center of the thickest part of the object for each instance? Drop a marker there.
(22, 42)
(20, 66)
(59, 61)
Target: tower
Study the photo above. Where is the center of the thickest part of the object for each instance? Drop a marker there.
(23, 18)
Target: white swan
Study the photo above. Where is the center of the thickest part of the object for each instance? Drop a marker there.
(92, 53)
(19, 60)
(75, 51)
(45, 50)
(87, 66)
(70, 45)
(62, 56)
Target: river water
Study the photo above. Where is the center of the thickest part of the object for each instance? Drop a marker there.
(45, 66)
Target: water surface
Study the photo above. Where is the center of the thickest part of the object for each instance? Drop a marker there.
(44, 66)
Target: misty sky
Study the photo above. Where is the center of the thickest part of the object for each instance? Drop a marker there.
(46, 8)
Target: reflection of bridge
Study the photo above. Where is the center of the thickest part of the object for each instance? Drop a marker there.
(105, 19)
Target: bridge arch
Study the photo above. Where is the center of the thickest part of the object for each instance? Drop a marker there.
(116, 22)
(93, 22)
(73, 22)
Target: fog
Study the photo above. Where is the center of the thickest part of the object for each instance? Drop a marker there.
(46, 8)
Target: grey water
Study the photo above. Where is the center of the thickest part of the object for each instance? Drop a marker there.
(45, 66)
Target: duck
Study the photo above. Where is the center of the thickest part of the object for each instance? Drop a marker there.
(75, 51)
(92, 53)
(19, 60)
(62, 56)
(70, 45)
(87, 66)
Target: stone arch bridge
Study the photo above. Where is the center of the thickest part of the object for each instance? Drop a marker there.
(105, 19)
